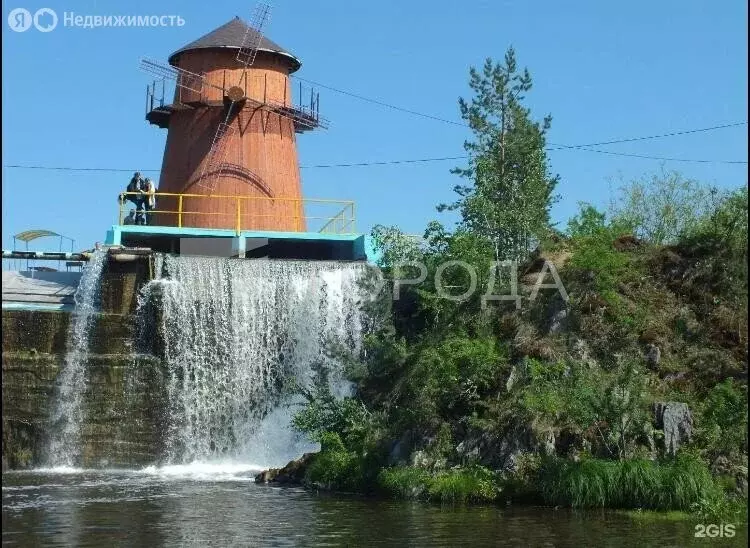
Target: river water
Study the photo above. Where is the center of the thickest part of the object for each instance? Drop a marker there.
(202, 505)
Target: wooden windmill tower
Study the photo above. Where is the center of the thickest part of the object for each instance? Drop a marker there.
(232, 130)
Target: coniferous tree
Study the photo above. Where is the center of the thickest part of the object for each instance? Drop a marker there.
(511, 191)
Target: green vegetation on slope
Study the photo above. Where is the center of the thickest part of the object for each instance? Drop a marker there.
(555, 400)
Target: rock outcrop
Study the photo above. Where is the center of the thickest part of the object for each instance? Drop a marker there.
(293, 474)
(501, 452)
(675, 419)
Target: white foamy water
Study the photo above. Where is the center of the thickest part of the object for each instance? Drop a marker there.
(208, 471)
(194, 471)
(64, 445)
(238, 335)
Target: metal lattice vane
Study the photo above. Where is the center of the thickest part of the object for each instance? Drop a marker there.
(253, 34)
(214, 162)
(184, 78)
(246, 56)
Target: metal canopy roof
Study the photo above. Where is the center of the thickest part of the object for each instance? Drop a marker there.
(231, 35)
(28, 235)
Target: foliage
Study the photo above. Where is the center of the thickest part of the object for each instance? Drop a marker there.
(718, 508)
(719, 240)
(593, 483)
(609, 407)
(658, 302)
(662, 208)
(511, 190)
(723, 422)
(622, 408)
(589, 222)
(725, 221)
(393, 246)
(335, 468)
(476, 484)
(455, 373)
(473, 484)
(594, 254)
(404, 482)
(324, 415)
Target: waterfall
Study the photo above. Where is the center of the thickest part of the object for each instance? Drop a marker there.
(237, 334)
(67, 413)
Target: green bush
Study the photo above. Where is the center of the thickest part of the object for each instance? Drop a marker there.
(335, 468)
(589, 483)
(685, 481)
(720, 508)
(347, 417)
(592, 241)
(661, 208)
(723, 426)
(330, 442)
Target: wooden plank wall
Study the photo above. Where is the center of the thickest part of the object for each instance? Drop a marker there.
(264, 143)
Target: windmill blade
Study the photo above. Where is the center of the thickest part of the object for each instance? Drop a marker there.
(185, 79)
(298, 114)
(254, 34)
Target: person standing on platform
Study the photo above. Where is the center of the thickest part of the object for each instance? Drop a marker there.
(149, 199)
(135, 185)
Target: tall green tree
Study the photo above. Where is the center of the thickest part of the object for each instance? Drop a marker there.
(511, 189)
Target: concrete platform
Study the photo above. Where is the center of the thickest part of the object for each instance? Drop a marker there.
(29, 290)
(250, 244)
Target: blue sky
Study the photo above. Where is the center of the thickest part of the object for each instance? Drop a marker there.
(75, 97)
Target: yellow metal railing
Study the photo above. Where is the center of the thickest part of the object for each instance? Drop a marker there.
(254, 212)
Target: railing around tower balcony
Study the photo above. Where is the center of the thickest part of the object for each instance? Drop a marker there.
(238, 213)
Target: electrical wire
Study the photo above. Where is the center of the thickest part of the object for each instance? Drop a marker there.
(462, 124)
(553, 146)
(396, 162)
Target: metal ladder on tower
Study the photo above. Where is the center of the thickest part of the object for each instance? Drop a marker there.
(219, 149)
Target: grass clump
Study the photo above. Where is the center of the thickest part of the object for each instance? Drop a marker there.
(475, 484)
(405, 482)
(678, 484)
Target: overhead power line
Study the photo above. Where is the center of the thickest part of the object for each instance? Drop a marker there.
(463, 124)
(57, 168)
(389, 162)
(381, 103)
(392, 162)
(553, 146)
(662, 158)
(648, 137)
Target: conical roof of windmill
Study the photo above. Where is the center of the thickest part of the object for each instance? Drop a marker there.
(231, 35)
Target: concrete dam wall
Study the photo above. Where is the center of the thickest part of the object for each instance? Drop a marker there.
(173, 360)
(116, 432)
